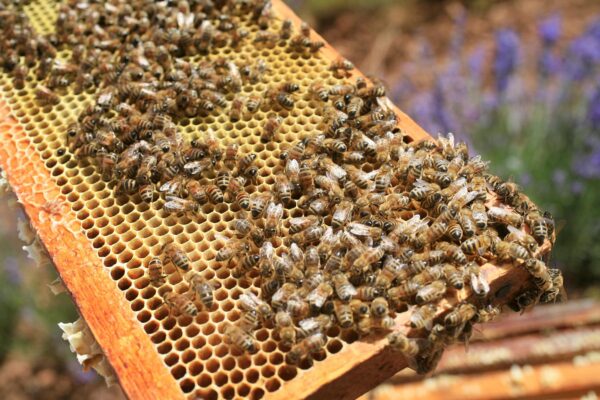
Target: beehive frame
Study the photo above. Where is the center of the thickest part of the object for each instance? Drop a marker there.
(97, 268)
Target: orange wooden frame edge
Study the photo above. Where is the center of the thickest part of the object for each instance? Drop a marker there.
(137, 364)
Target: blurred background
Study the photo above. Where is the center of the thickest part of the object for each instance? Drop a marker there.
(519, 80)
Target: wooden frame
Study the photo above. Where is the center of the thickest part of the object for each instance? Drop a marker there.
(140, 370)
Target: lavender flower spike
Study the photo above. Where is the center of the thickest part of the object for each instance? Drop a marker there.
(507, 55)
(549, 30)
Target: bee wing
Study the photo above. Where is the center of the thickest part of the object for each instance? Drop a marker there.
(316, 298)
(292, 167)
(358, 229)
(335, 172)
(193, 168)
(220, 236)
(517, 232)
(174, 199)
(299, 220)
(266, 251)
(309, 324)
(248, 301)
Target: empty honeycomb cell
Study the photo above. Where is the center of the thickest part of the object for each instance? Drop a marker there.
(143, 315)
(171, 359)
(187, 385)
(276, 358)
(273, 384)
(204, 379)
(131, 294)
(205, 353)
(252, 376)
(178, 371)
(164, 348)
(257, 393)
(228, 392)
(267, 371)
(188, 356)
(182, 344)
(221, 350)
(334, 346)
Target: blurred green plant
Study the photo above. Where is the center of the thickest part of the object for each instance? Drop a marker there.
(30, 312)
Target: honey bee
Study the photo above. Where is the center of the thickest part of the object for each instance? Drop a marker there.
(428, 275)
(423, 317)
(433, 291)
(46, 96)
(311, 344)
(557, 292)
(453, 276)
(522, 238)
(343, 314)
(477, 244)
(245, 165)
(538, 270)
(453, 252)
(341, 68)
(230, 156)
(270, 129)
(235, 112)
(231, 248)
(181, 303)
(245, 264)
(341, 214)
(250, 302)
(287, 331)
(202, 288)
(176, 205)
(19, 75)
(511, 251)
(298, 307)
(240, 338)
(319, 91)
(283, 98)
(399, 342)
(282, 295)
(317, 297)
(467, 224)
(455, 231)
(379, 307)
(285, 32)
(505, 216)
(214, 194)
(197, 191)
(539, 226)
(461, 314)
(126, 186)
(273, 216)
(343, 288)
(155, 272)
(309, 235)
(487, 314)
(431, 234)
(479, 283)
(258, 203)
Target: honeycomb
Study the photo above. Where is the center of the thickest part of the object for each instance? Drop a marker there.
(125, 232)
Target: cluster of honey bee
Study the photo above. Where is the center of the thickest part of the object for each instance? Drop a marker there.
(359, 226)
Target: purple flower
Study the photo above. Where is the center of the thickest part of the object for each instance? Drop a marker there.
(475, 62)
(549, 30)
(593, 109)
(584, 53)
(13, 273)
(506, 57)
(548, 63)
(559, 177)
(577, 187)
(589, 166)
